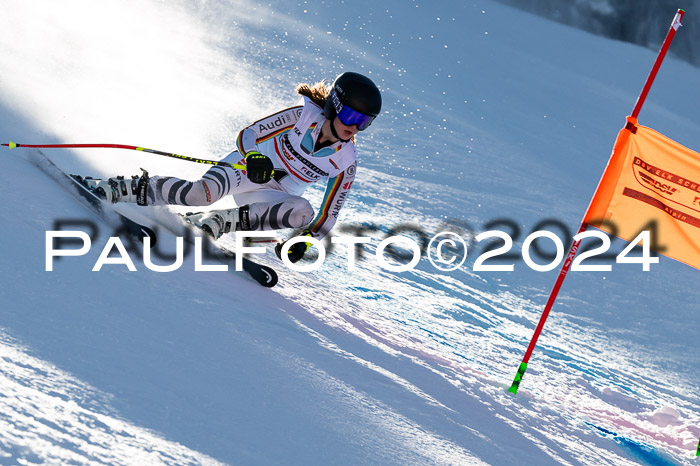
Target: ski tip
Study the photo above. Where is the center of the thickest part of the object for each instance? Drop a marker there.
(266, 276)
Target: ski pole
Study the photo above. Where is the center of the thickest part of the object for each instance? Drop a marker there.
(12, 145)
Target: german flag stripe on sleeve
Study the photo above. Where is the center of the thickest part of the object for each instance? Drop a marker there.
(325, 209)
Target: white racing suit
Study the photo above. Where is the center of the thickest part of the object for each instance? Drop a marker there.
(288, 138)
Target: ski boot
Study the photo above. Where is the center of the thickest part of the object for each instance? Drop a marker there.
(118, 189)
(217, 222)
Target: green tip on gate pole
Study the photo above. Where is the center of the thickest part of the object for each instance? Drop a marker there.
(518, 377)
(12, 145)
(697, 453)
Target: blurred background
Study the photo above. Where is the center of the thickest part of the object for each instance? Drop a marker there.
(635, 21)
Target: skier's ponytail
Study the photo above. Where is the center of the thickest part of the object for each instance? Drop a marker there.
(317, 92)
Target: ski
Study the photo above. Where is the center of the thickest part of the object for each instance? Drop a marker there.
(123, 223)
(264, 275)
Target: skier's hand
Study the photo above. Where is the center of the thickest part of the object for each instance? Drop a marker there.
(297, 250)
(258, 167)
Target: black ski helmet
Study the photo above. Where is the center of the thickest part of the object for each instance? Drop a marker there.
(355, 91)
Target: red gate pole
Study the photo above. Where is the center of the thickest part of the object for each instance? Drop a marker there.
(675, 24)
(657, 64)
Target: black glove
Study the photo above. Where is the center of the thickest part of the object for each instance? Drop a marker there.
(258, 167)
(296, 251)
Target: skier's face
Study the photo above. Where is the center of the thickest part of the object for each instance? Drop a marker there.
(344, 132)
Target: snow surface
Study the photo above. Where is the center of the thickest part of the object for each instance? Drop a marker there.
(493, 119)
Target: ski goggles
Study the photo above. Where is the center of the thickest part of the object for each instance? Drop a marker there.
(351, 117)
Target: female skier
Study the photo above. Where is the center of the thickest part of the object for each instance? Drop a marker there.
(283, 153)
